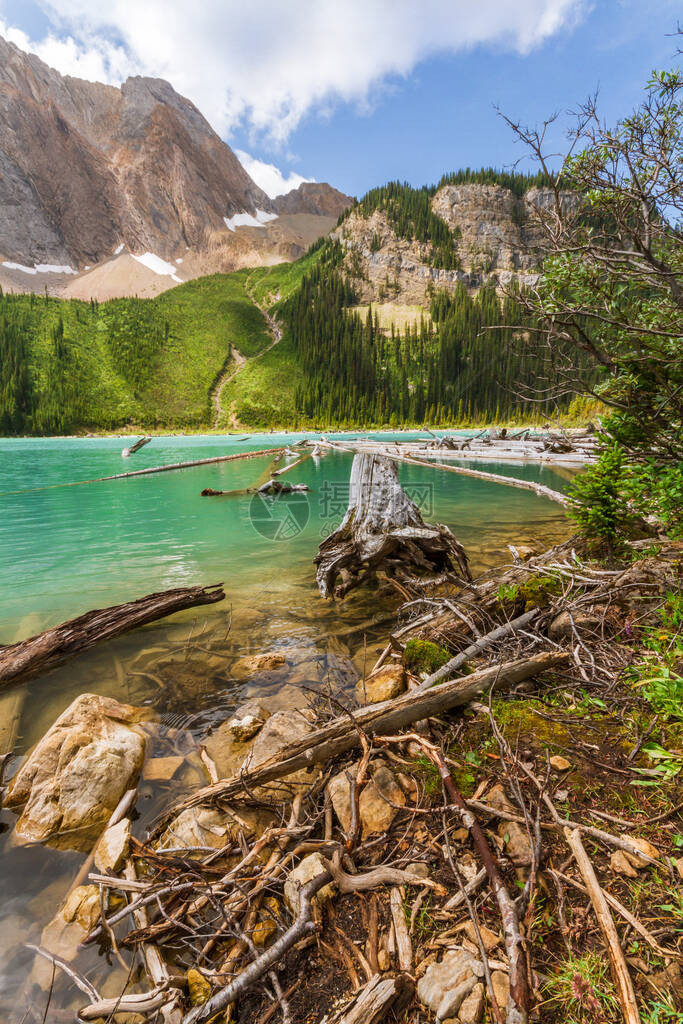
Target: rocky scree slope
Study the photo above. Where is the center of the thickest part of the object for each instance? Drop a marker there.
(496, 235)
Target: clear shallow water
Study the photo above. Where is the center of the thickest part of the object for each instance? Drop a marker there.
(67, 549)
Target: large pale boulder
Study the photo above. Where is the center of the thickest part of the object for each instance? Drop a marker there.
(281, 729)
(445, 986)
(378, 803)
(76, 774)
(384, 684)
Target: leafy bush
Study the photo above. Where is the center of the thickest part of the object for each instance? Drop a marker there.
(660, 673)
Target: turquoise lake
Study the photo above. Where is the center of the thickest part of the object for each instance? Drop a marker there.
(67, 549)
(64, 550)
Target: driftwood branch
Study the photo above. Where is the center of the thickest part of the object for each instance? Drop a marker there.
(474, 649)
(372, 879)
(142, 1002)
(518, 1003)
(622, 978)
(45, 651)
(343, 733)
(155, 965)
(404, 946)
(373, 1003)
(404, 453)
(302, 926)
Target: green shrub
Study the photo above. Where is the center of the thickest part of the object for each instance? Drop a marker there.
(598, 504)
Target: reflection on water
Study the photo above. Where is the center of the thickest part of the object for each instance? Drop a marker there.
(64, 550)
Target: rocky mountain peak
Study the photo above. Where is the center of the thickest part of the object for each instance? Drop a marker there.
(88, 169)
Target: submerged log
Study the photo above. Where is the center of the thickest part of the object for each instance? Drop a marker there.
(277, 487)
(45, 651)
(383, 529)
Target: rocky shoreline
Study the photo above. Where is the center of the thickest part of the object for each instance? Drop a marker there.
(321, 841)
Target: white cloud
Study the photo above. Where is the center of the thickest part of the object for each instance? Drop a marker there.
(89, 56)
(269, 177)
(266, 64)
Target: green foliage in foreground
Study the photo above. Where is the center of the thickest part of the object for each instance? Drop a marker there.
(582, 991)
(660, 672)
(69, 365)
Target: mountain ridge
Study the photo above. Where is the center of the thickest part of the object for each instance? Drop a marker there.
(86, 168)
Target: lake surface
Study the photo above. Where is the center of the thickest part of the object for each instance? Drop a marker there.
(67, 546)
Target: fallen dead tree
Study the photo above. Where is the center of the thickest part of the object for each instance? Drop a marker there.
(47, 650)
(383, 529)
(416, 457)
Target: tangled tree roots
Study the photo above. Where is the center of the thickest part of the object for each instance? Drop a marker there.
(383, 529)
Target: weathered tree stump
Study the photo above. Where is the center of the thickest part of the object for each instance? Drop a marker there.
(383, 529)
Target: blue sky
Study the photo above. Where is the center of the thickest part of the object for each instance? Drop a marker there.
(356, 93)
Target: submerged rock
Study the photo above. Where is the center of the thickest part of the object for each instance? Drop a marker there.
(76, 774)
(255, 663)
(113, 847)
(281, 729)
(247, 720)
(67, 929)
(230, 753)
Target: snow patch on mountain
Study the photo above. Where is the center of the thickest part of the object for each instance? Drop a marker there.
(41, 268)
(158, 266)
(246, 220)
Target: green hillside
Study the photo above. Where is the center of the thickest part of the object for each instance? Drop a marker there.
(263, 394)
(69, 365)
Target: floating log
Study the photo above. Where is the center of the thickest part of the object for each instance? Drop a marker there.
(135, 447)
(45, 651)
(178, 465)
(405, 454)
(383, 529)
